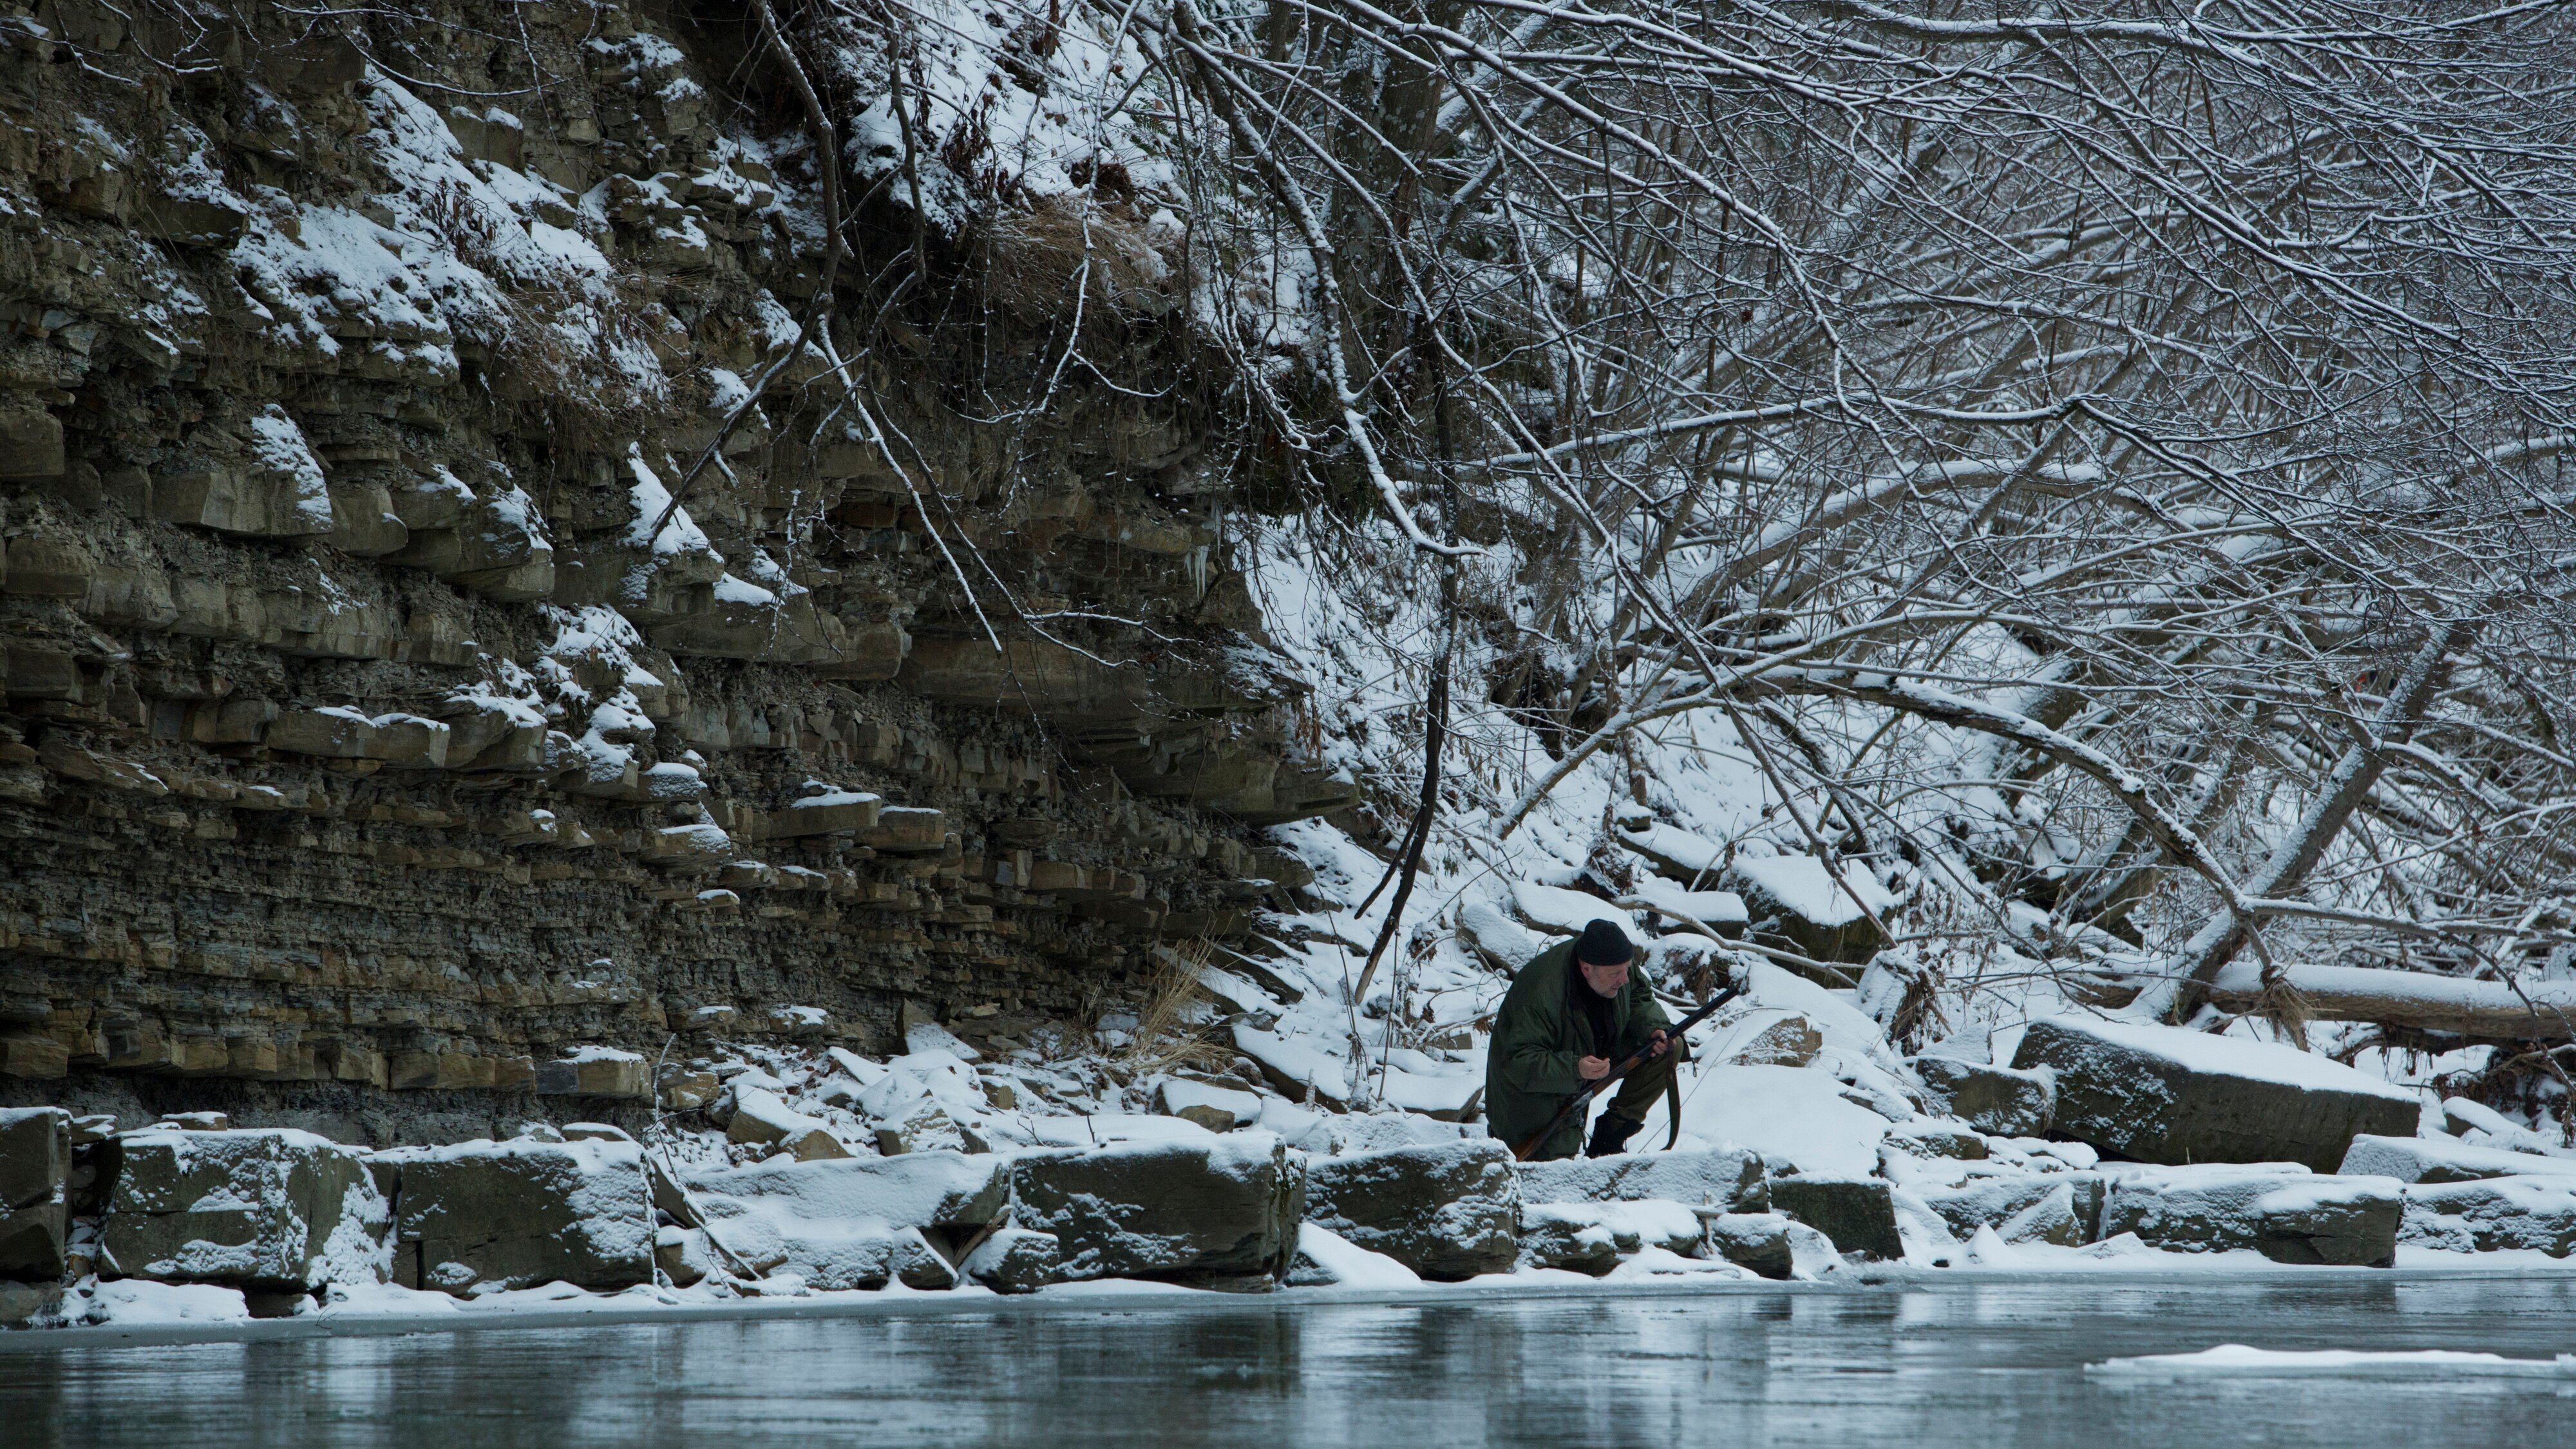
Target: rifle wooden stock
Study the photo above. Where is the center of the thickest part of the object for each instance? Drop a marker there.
(1582, 1101)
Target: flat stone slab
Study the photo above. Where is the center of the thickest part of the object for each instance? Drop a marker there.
(914, 1190)
(1858, 1214)
(490, 1215)
(1449, 1210)
(271, 1209)
(1773, 1245)
(1015, 1260)
(2165, 1095)
(1727, 1177)
(1591, 1237)
(1225, 1209)
(2278, 1209)
(2005, 1101)
(2441, 1159)
(2489, 1215)
(2064, 1208)
(850, 1222)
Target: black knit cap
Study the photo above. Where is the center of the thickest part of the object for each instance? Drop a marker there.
(1603, 944)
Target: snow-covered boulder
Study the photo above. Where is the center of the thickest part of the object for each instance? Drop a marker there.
(1218, 1109)
(2006, 1101)
(273, 1209)
(1448, 1211)
(1796, 901)
(2167, 1095)
(2436, 1159)
(850, 1222)
(1591, 1237)
(1727, 1177)
(1327, 1259)
(2479, 1125)
(684, 1255)
(761, 1119)
(1563, 912)
(1929, 1140)
(916, 1190)
(2278, 1209)
(35, 1160)
(1857, 1213)
(481, 1216)
(1015, 1260)
(1328, 1135)
(1223, 1208)
(2064, 1208)
(1773, 1245)
(2490, 1214)
(2345, 1221)
(927, 1101)
(1794, 1117)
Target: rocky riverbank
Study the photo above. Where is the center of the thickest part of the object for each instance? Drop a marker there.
(778, 1187)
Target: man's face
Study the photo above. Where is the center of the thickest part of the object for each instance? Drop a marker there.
(1605, 979)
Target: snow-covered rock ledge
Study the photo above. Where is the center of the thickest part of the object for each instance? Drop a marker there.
(831, 1179)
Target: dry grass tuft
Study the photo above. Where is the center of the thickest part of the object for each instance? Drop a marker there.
(1167, 1037)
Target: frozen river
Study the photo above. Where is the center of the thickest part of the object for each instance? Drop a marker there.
(1978, 1365)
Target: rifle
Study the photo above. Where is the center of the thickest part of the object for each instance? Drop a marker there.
(1581, 1102)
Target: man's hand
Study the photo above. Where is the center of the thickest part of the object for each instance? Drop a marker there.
(1659, 1042)
(1592, 1069)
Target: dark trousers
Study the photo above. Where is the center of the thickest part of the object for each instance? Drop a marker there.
(1641, 1089)
(1636, 1096)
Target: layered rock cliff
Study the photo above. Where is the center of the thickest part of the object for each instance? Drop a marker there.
(465, 602)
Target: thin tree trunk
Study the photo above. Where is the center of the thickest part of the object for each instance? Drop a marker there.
(2286, 870)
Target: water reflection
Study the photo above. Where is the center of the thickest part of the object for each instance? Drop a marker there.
(1978, 1365)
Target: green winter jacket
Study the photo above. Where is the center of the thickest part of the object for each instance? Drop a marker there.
(1529, 1066)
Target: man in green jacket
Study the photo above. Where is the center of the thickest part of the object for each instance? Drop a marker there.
(1574, 1010)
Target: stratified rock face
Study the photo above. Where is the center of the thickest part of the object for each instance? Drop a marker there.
(2005, 1101)
(1222, 1210)
(2163, 1094)
(1727, 1177)
(272, 1209)
(2278, 1209)
(1448, 1211)
(383, 708)
(35, 1161)
(494, 1215)
(1858, 1214)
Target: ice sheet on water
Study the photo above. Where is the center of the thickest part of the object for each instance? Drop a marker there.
(2237, 1360)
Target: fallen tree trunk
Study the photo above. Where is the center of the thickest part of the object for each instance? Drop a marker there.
(2489, 1010)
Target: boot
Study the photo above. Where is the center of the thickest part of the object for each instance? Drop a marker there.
(1610, 1135)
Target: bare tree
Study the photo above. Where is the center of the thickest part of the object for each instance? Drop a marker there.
(2171, 399)
(2112, 450)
